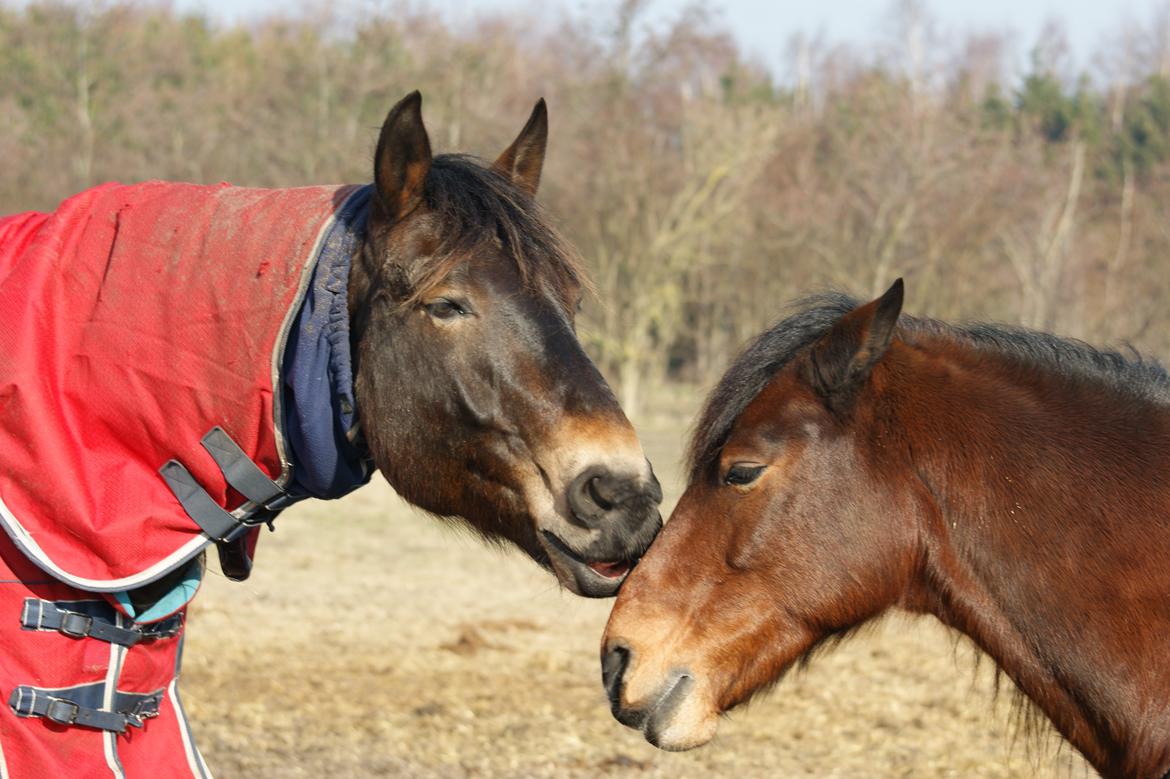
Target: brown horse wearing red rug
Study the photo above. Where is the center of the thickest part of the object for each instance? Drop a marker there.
(180, 363)
(1013, 484)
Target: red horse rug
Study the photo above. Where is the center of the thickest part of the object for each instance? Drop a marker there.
(174, 370)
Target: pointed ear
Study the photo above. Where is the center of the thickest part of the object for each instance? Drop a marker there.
(841, 360)
(522, 161)
(403, 158)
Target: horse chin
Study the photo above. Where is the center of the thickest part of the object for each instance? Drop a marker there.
(680, 719)
(589, 578)
(679, 736)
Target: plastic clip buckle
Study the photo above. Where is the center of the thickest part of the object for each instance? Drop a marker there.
(280, 502)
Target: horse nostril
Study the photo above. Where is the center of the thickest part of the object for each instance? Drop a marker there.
(598, 496)
(597, 493)
(594, 494)
(613, 668)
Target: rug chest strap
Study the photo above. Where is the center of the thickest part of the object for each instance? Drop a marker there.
(234, 560)
(212, 518)
(82, 705)
(244, 476)
(238, 468)
(90, 623)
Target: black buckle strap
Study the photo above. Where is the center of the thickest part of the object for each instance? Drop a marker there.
(92, 619)
(61, 711)
(234, 560)
(212, 518)
(75, 625)
(238, 469)
(244, 476)
(81, 705)
(137, 707)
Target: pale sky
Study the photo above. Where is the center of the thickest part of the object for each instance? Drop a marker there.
(763, 27)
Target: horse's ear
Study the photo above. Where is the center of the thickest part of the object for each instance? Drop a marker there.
(522, 161)
(403, 158)
(841, 360)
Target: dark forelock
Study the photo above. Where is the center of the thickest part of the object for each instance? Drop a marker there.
(754, 368)
(475, 207)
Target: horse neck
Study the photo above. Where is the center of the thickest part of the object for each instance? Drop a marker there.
(1046, 543)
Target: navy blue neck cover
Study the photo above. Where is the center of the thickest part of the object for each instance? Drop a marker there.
(320, 415)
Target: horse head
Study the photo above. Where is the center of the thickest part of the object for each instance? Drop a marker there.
(787, 534)
(476, 398)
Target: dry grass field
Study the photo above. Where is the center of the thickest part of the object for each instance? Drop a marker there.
(374, 641)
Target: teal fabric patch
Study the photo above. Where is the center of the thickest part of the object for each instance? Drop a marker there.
(177, 598)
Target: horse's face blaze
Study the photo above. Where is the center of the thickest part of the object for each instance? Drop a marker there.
(788, 538)
(477, 400)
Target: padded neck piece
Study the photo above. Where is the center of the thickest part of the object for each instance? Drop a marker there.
(320, 414)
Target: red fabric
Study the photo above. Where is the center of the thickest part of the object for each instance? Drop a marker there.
(32, 747)
(133, 319)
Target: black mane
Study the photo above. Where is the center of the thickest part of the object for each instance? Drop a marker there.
(764, 357)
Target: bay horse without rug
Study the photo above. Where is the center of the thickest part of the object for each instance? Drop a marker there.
(178, 363)
(1013, 484)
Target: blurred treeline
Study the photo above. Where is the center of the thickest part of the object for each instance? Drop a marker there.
(703, 191)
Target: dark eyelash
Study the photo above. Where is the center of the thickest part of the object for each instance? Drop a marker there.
(738, 475)
(445, 309)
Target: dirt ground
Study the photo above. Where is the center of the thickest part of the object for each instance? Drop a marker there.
(375, 641)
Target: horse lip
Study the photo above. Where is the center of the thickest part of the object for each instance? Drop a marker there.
(657, 718)
(586, 581)
(654, 719)
(567, 551)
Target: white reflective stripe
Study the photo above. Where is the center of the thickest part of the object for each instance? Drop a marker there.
(194, 758)
(206, 770)
(109, 738)
(3, 763)
(24, 540)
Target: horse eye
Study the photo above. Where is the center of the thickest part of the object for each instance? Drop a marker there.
(740, 474)
(444, 309)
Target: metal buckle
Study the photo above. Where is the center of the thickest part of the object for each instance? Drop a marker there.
(61, 711)
(144, 709)
(169, 627)
(75, 625)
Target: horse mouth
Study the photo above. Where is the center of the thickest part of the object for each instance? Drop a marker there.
(591, 578)
(616, 570)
